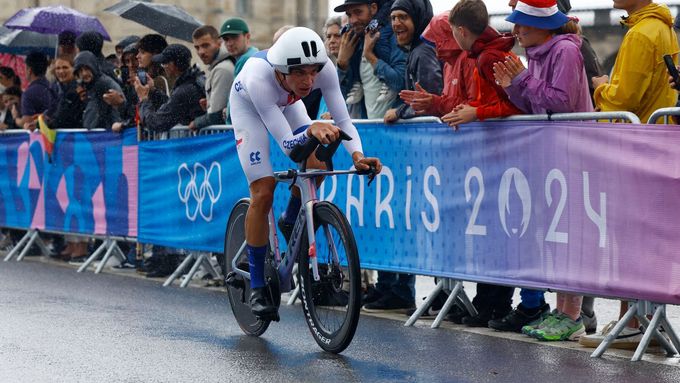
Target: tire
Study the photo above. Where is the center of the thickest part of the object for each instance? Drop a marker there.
(239, 298)
(332, 325)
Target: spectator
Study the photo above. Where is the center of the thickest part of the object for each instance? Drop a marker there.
(8, 78)
(94, 85)
(124, 43)
(37, 98)
(219, 79)
(11, 99)
(67, 111)
(93, 42)
(370, 64)
(184, 104)
(639, 84)
(409, 20)
(331, 35)
(556, 82)
(458, 72)
(115, 61)
(67, 45)
(236, 36)
(593, 69)
(147, 47)
(469, 21)
(127, 101)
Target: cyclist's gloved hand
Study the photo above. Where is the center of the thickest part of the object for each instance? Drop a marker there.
(367, 164)
(324, 132)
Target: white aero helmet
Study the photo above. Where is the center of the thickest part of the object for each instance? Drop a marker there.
(297, 46)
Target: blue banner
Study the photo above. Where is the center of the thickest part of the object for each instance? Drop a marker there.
(88, 187)
(187, 189)
(577, 206)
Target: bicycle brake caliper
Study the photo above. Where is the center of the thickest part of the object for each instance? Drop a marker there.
(315, 264)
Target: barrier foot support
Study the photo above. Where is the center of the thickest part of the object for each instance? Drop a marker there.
(651, 328)
(94, 256)
(609, 339)
(111, 249)
(18, 246)
(29, 244)
(450, 301)
(178, 271)
(194, 268)
(670, 331)
(428, 302)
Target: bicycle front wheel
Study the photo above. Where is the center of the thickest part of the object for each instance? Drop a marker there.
(238, 287)
(331, 305)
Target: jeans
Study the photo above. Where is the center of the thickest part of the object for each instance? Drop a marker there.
(401, 285)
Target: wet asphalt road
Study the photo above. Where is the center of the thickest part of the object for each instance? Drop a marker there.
(60, 326)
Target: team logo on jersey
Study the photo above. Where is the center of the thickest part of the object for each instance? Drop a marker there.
(255, 158)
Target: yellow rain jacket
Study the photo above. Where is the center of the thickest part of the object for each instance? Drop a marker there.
(639, 81)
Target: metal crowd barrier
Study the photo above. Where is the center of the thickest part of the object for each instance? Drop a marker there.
(637, 309)
(664, 113)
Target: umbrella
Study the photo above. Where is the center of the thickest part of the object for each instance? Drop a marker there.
(54, 20)
(19, 42)
(166, 19)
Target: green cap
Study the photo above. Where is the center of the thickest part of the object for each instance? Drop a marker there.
(234, 26)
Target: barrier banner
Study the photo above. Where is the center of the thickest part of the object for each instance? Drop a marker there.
(187, 189)
(90, 187)
(579, 206)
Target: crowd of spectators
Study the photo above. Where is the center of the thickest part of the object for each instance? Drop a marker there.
(395, 60)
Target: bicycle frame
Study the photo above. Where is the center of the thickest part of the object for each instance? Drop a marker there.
(306, 182)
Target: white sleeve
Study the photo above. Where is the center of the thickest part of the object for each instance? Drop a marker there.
(264, 101)
(328, 82)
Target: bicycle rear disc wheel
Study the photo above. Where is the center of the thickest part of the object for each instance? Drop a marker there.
(331, 305)
(239, 297)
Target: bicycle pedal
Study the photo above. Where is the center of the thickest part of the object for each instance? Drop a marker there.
(233, 281)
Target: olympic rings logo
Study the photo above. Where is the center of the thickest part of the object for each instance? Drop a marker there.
(199, 190)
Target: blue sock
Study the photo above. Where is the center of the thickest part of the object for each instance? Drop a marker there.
(256, 263)
(291, 213)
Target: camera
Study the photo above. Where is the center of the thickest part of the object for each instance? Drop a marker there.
(373, 26)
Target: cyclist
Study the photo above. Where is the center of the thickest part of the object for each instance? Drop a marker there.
(266, 96)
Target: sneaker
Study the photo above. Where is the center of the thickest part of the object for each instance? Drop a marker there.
(520, 317)
(286, 228)
(457, 314)
(563, 329)
(590, 322)
(355, 94)
(372, 294)
(628, 339)
(78, 260)
(385, 94)
(390, 303)
(483, 317)
(547, 321)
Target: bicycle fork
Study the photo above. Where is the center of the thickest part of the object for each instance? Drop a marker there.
(309, 213)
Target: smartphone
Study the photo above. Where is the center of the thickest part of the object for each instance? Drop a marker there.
(141, 75)
(672, 70)
(345, 28)
(373, 27)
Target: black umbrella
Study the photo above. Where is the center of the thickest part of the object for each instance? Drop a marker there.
(20, 42)
(166, 19)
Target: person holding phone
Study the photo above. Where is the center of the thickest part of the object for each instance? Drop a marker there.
(93, 86)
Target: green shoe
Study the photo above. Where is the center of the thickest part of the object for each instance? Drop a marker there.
(553, 316)
(563, 329)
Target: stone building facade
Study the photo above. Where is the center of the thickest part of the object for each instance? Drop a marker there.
(263, 16)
